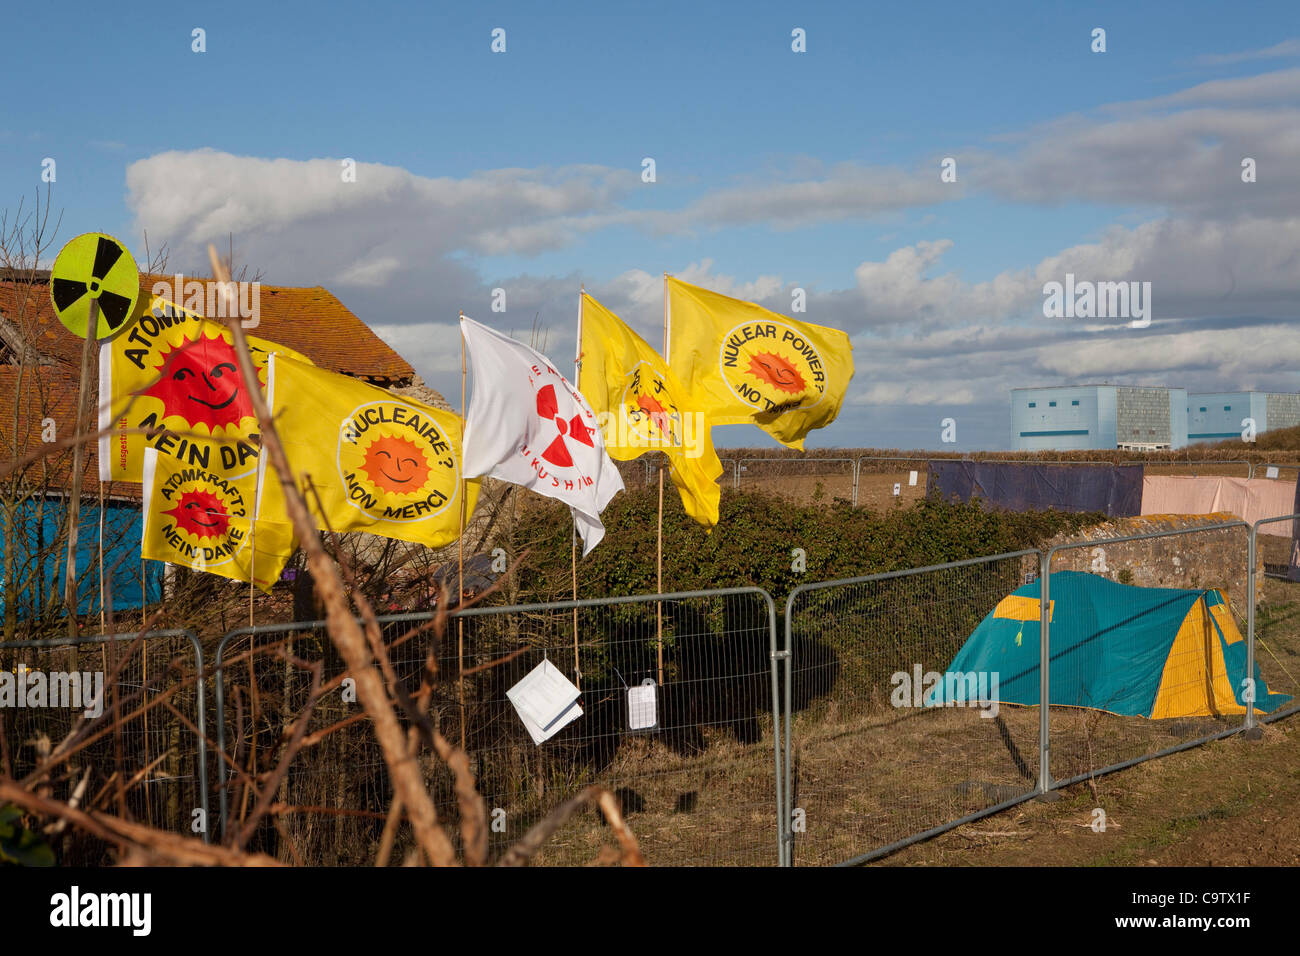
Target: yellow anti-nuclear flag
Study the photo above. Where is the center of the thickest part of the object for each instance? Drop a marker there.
(203, 520)
(643, 407)
(170, 381)
(379, 462)
(746, 364)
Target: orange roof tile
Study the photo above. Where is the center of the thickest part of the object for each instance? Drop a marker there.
(311, 321)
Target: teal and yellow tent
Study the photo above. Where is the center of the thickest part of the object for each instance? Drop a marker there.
(1143, 652)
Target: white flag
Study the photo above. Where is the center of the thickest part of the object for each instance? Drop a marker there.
(526, 424)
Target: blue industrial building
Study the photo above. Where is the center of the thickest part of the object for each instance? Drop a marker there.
(1100, 417)
(1214, 416)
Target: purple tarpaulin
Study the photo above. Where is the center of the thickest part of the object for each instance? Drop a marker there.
(1115, 490)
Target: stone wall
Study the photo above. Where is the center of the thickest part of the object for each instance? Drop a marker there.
(1205, 559)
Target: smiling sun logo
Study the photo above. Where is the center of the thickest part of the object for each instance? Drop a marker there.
(200, 513)
(651, 414)
(395, 465)
(396, 462)
(201, 517)
(776, 371)
(772, 367)
(199, 381)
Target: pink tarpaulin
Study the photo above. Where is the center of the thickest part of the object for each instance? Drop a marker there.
(1248, 498)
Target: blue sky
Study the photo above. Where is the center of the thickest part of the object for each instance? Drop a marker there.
(774, 170)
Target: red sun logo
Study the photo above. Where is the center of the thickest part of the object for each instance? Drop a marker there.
(776, 370)
(395, 465)
(201, 514)
(658, 414)
(200, 382)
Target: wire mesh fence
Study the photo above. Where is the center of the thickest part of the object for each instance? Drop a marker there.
(803, 480)
(885, 482)
(1139, 671)
(1273, 626)
(728, 479)
(1279, 471)
(1230, 467)
(697, 782)
(130, 709)
(906, 703)
(887, 741)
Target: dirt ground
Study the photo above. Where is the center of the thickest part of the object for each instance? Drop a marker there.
(1234, 802)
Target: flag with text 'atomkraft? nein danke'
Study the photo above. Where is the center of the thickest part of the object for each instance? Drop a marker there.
(527, 425)
(170, 381)
(198, 519)
(744, 363)
(643, 407)
(378, 462)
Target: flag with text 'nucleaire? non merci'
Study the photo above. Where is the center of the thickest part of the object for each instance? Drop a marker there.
(528, 425)
(202, 520)
(170, 381)
(378, 462)
(644, 407)
(746, 364)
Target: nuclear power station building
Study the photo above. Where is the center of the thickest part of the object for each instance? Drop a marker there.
(1141, 418)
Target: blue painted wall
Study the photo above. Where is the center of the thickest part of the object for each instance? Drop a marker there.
(40, 552)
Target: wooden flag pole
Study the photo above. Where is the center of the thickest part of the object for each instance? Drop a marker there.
(460, 551)
(102, 610)
(224, 290)
(78, 464)
(573, 539)
(659, 538)
(252, 565)
(573, 561)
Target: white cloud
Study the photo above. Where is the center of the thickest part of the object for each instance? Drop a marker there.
(1285, 48)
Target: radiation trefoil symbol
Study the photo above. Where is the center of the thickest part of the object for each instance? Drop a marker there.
(548, 410)
(94, 268)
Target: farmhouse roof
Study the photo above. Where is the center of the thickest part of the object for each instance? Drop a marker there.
(40, 364)
(310, 320)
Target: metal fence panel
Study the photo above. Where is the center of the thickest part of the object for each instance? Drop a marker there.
(728, 479)
(1231, 467)
(1087, 741)
(878, 476)
(701, 788)
(870, 766)
(1274, 632)
(1280, 471)
(161, 761)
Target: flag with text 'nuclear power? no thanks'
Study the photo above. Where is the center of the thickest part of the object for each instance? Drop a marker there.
(744, 363)
(527, 425)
